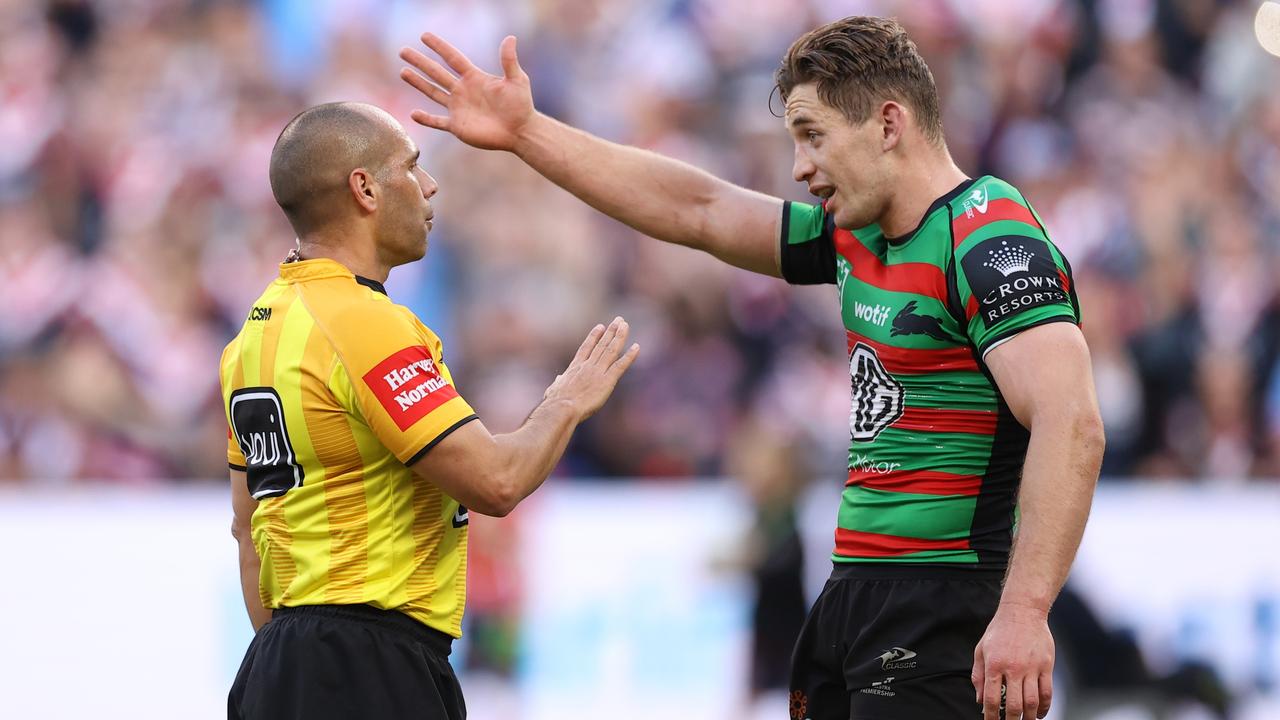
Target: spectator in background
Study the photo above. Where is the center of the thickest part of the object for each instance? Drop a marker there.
(764, 459)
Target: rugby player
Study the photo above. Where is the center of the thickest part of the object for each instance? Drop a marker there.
(973, 406)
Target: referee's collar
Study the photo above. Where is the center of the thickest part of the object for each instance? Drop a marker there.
(318, 268)
(371, 284)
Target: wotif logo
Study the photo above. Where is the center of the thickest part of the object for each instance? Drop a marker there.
(874, 314)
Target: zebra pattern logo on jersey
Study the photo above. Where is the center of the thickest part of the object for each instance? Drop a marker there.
(877, 395)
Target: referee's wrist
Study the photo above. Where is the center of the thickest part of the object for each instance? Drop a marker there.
(555, 406)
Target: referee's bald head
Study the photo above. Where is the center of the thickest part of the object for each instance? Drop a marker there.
(315, 154)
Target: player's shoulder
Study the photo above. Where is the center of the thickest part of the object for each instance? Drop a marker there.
(259, 311)
(992, 207)
(362, 324)
(985, 198)
(352, 315)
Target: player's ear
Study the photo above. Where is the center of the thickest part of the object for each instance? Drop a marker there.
(363, 189)
(893, 123)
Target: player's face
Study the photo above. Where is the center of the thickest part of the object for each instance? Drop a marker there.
(842, 163)
(409, 190)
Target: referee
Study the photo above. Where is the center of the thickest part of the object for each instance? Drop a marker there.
(353, 458)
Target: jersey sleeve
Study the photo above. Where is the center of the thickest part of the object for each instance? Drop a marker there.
(1010, 278)
(235, 458)
(398, 384)
(808, 253)
(226, 373)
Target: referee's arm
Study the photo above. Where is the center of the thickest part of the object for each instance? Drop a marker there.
(491, 474)
(243, 505)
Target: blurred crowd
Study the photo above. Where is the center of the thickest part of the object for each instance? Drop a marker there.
(137, 224)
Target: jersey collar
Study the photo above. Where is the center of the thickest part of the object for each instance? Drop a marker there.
(318, 268)
(940, 202)
(373, 285)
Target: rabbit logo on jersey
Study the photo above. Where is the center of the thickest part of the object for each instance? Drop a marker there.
(877, 395)
(409, 385)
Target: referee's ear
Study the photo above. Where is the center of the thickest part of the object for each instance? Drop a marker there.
(364, 189)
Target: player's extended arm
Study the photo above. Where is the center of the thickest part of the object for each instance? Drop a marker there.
(492, 473)
(1057, 403)
(658, 196)
(242, 506)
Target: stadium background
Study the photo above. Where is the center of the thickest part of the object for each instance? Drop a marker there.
(136, 224)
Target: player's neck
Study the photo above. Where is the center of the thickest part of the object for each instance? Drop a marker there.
(918, 185)
(360, 258)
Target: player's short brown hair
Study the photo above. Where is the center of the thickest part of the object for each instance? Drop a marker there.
(857, 63)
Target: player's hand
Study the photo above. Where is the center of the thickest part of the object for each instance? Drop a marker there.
(483, 110)
(594, 371)
(1016, 652)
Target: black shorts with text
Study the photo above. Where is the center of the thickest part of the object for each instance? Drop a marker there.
(893, 643)
(346, 661)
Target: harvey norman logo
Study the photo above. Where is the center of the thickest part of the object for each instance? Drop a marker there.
(400, 377)
(409, 385)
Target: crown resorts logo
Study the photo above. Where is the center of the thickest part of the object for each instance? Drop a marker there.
(1009, 259)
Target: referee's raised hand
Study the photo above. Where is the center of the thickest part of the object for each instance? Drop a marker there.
(595, 369)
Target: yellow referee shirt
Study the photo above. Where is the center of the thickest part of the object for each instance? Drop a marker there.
(331, 390)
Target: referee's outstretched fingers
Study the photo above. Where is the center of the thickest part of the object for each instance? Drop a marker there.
(608, 338)
(589, 344)
(595, 369)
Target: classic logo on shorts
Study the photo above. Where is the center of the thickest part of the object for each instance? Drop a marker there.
(409, 385)
(257, 422)
(877, 396)
(897, 659)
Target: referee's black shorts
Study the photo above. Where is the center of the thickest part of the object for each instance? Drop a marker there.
(346, 661)
(893, 643)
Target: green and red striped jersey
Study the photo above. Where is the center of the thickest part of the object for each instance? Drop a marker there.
(935, 455)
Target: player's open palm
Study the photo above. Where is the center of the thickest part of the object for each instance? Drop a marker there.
(483, 110)
(595, 369)
(1014, 663)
